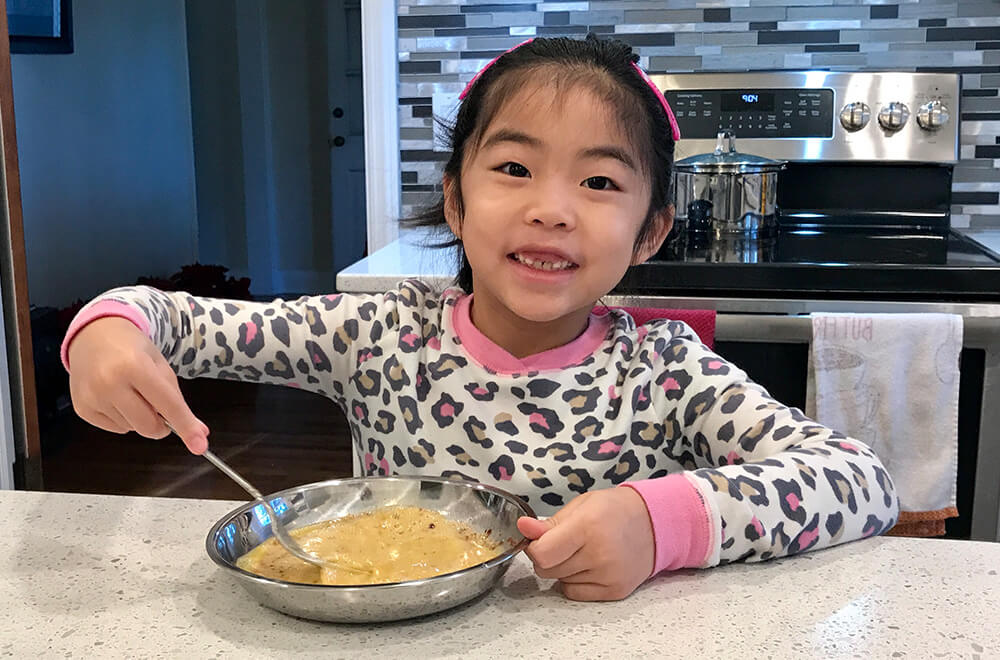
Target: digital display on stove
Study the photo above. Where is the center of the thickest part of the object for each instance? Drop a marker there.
(754, 112)
(748, 100)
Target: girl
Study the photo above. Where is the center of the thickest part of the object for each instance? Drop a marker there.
(559, 179)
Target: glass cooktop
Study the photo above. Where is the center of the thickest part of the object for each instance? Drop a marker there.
(850, 263)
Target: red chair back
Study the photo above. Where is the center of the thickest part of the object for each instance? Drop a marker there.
(702, 321)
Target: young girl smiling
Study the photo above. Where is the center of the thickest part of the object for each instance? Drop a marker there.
(559, 179)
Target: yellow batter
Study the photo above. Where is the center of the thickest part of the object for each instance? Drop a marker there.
(392, 544)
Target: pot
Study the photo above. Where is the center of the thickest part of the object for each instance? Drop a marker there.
(727, 193)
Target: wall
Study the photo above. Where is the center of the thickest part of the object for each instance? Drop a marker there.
(443, 44)
(104, 139)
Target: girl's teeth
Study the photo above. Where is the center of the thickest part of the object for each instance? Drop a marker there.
(543, 265)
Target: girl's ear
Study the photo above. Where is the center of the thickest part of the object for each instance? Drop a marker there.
(662, 222)
(452, 204)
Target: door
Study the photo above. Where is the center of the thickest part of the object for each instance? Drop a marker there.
(18, 412)
(277, 109)
(347, 132)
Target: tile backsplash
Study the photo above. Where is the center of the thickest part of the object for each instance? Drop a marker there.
(443, 43)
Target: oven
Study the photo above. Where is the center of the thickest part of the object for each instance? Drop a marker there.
(864, 226)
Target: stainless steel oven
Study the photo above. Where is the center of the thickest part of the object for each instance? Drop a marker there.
(864, 226)
(769, 339)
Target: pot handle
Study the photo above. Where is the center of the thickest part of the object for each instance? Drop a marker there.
(724, 137)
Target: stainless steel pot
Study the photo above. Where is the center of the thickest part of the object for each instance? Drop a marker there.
(727, 193)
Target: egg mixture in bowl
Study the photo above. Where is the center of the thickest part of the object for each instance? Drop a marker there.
(391, 544)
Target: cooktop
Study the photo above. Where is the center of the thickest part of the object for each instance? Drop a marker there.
(856, 263)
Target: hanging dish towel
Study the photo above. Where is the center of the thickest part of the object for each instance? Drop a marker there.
(891, 381)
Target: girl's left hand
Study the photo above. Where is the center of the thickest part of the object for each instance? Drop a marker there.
(599, 546)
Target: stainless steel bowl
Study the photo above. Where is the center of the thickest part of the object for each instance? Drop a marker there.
(481, 507)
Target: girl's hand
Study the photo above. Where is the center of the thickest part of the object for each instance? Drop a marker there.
(599, 546)
(120, 382)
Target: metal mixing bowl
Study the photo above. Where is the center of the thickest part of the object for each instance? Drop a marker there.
(481, 507)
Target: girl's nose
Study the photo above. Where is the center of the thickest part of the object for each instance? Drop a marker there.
(552, 207)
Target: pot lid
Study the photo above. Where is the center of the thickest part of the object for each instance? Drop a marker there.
(725, 158)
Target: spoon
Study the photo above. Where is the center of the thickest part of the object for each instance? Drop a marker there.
(281, 535)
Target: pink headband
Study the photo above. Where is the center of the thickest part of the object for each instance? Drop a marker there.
(675, 130)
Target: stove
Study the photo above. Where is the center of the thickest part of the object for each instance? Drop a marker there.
(864, 227)
(863, 206)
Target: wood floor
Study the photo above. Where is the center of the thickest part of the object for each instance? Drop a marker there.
(275, 437)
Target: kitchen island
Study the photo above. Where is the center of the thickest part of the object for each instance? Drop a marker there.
(113, 576)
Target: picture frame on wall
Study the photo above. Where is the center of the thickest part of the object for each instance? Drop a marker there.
(40, 26)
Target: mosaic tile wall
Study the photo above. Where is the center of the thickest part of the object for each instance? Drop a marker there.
(442, 43)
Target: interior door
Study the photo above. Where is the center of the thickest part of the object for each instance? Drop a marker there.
(19, 439)
(347, 135)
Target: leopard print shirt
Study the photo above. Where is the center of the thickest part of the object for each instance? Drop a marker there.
(650, 401)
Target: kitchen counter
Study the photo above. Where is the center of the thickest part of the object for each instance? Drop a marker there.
(407, 257)
(111, 576)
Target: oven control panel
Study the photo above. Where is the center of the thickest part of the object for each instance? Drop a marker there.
(753, 113)
(890, 116)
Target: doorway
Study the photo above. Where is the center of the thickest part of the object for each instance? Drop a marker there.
(278, 121)
(275, 164)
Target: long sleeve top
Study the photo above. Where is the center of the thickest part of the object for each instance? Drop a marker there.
(726, 472)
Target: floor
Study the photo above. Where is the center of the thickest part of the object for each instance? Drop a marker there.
(275, 437)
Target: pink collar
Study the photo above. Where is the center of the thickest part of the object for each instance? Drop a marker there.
(496, 359)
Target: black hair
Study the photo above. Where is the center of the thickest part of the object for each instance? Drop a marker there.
(603, 65)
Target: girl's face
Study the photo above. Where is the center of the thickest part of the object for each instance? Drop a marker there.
(554, 198)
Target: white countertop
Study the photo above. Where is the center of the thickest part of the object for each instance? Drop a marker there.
(407, 257)
(111, 576)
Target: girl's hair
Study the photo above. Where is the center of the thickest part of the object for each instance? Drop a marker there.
(603, 66)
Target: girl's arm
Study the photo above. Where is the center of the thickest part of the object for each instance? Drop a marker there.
(764, 480)
(126, 348)
(313, 343)
(317, 343)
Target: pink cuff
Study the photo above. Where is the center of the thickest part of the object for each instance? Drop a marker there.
(681, 524)
(98, 311)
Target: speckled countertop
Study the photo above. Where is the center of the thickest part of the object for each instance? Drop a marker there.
(108, 576)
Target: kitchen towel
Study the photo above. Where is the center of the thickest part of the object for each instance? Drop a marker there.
(702, 321)
(891, 381)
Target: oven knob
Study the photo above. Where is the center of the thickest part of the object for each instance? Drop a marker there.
(855, 116)
(893, 116)
(932, 116)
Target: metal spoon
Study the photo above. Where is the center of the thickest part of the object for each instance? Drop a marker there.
(281, 535)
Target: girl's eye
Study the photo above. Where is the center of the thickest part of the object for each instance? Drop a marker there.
(515, 169)
(600, 183)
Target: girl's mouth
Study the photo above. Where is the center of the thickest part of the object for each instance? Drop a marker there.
(541, 264)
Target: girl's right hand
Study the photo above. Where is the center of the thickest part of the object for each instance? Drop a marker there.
(120, 382)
